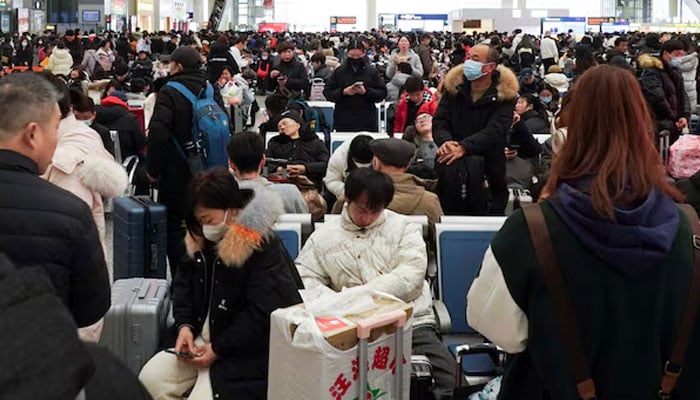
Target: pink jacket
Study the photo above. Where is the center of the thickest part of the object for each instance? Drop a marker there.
(82, 166)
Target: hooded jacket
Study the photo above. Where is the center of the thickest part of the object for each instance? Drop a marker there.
(308, 150)
(413, 59)
(389, 256)
(663, 88)
(220, 57)
(60, 62)
(393, 88)
(689, 68)
(238, 282)
(429, 105)
(558, 81)
(114, 114)
(82, 166)
(355, 113)
(627, 280)
(481, 127)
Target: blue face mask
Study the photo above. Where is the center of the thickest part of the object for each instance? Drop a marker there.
(546, 99)
(676, 62)
(472, 70)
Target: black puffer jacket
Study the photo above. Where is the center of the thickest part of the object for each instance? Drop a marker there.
(663, 88)
(308, 150)
(220, 57)
(172, 118)
(355, 113)
(114, 114)
(44, 226)
(239, 283)
(297, 79)
(480, 127)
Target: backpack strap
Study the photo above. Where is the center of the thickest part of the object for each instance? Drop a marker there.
(674, 366)
(183, 90)
(563, 308)
(209, 91)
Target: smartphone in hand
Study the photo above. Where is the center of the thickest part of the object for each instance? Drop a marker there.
(181, 354)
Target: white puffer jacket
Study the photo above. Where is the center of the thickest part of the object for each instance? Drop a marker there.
(388, 256)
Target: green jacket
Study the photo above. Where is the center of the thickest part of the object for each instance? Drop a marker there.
(628, 323)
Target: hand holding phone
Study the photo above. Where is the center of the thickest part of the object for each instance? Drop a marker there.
(181, 354)
(358, 83)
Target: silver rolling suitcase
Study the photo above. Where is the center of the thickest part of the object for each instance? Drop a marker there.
(136, 320)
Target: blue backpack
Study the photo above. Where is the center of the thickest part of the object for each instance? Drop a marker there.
(210, 130)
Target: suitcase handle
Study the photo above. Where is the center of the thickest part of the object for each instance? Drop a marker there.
(364, 327)
(143, 293)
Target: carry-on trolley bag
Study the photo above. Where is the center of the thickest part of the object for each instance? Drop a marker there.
(136, 320)
(364, 328)
(140, 238)
(422, 383)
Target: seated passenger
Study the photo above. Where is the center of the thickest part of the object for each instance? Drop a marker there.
(412, 195)
(350, 155)
(422, 137)
(246, 155)
(417, 99)
(624, 251)
(304, 151)
(375, 247)
(235, 274)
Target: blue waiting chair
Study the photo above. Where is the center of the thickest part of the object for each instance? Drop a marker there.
(290, 235)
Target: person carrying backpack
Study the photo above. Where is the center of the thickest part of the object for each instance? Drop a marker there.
(170, 129)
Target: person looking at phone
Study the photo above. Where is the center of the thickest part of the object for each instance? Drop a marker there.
(354, 88)
(236, 272)
(305, 152)
(288, 74)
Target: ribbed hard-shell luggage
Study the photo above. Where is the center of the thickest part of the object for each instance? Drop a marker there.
(140, 238)
(136, 320)
(421, 378)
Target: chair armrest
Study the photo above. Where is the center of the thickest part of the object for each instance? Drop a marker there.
(442, 317)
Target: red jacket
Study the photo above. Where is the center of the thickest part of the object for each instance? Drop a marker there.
(428, 106)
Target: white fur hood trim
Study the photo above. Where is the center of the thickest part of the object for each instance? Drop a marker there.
(104, 176)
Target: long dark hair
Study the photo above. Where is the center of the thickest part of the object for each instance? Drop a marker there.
(217, 189)
(619, 153)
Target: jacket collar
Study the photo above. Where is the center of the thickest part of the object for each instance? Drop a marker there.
(254, 225)
(347, 224)
(505, 84)
(11, 160)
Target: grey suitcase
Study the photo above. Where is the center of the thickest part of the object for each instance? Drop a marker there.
(136, 320)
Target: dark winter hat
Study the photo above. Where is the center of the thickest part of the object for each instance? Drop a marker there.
(284, 46)
(525, 73)
(293, 115)
(653, 40)
(70, 32)
(394, 152)
(187, 57)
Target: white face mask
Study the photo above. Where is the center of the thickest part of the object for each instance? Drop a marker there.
(363, 165)
(214, 233)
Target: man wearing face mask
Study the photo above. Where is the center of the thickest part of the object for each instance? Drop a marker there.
(354, 88)
(172, 121)
(470, 126)
(662, 86)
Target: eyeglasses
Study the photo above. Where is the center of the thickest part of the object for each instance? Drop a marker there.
(425, 118)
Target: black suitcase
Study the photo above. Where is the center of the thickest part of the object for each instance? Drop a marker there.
(421, 378)
(140, 238)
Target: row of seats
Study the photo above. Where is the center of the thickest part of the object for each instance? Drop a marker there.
(337, 138)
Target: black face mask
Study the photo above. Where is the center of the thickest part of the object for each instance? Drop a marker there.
(356, 62)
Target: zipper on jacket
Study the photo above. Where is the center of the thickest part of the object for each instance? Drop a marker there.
(211, 293)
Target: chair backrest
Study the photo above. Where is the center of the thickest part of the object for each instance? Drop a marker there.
(338, 138)
(270, 135)
(460, 219)
(460, 250)
(307, 225)
(290, 235)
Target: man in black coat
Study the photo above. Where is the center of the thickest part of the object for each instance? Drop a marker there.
(473, 119)
(114, 114)
(663, 88)
(219, 58)
(288, 74)
(42, 225)
(172, 121)
(355, 87)
(75, 47)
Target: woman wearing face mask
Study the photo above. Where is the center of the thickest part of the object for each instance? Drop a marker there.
(25, 53)
(262, 67)
(235, 274)
(549, 96)
(404, 54)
